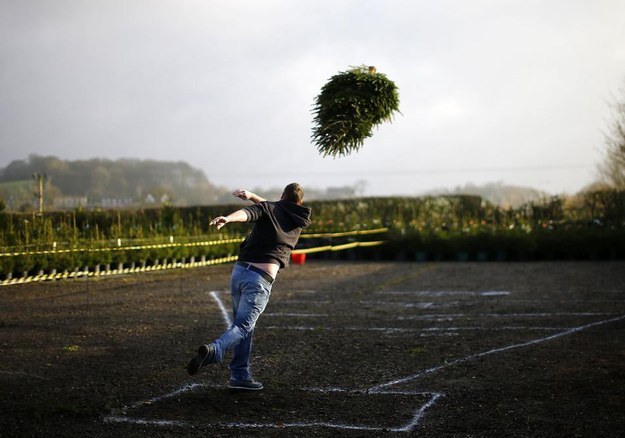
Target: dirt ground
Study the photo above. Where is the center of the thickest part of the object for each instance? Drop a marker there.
(343, 348)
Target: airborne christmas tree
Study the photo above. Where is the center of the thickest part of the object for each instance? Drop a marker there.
(349, 106)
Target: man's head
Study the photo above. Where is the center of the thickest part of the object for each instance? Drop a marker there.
(293, 193)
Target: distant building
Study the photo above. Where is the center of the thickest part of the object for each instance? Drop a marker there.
(69, 202)
(340, 192)
(115, 202)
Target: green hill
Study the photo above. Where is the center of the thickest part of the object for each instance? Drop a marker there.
(102, 182)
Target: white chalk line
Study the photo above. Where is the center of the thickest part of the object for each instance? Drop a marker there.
(144, 421)
(416, 305)
(440, 334)
(493, 351)
(20, 373)
(222, 308)
(565, 300)
(435, 305)
(446, 293)
(411, 424)
(297, 315)
(228, 320)
(452, 316)
(305, 291)
(446, 317)
(409, 330)
(184, 388)
(418, 415)
(120, 416)
(490, 329)
(437, 317)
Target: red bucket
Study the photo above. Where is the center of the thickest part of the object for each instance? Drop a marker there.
(298, 259)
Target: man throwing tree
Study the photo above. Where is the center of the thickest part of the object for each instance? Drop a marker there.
(277, 227)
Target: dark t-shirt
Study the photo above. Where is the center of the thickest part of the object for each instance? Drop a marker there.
(276, 231)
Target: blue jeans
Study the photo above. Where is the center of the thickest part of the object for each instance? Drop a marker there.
(250, 294)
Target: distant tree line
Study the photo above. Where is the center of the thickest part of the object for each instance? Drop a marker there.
(102, 182)
(125, 183)
(496, 193)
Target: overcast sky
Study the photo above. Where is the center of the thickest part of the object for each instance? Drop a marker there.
(515, 91)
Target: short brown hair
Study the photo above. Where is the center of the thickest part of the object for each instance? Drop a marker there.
(293, 193)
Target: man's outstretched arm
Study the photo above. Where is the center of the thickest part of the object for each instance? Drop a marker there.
(247, 195)
(237, 216)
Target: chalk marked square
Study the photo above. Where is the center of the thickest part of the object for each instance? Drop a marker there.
(205, 405)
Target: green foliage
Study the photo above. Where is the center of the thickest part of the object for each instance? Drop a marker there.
(465, 228)
(349, 106)
(428, 228)
(607, 204)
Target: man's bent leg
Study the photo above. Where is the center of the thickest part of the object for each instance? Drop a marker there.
(255, 292)
(229, 339)
(240, 364)
(233, 336)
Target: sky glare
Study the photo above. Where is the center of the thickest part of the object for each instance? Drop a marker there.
(512, 91)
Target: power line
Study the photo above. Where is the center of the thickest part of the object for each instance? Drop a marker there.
(370, 172)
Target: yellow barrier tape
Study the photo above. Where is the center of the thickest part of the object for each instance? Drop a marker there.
(344, 233)
(175, 265)
(78, 274)
(187, 244)
(338, 247)
(125, 248)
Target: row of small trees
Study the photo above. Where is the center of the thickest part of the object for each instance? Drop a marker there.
(426, 227)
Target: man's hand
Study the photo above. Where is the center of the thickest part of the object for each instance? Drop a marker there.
(243, 194)
(220, 221)
(247, 196)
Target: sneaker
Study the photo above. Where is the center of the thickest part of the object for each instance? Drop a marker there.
(205, 355)
(249, 385)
